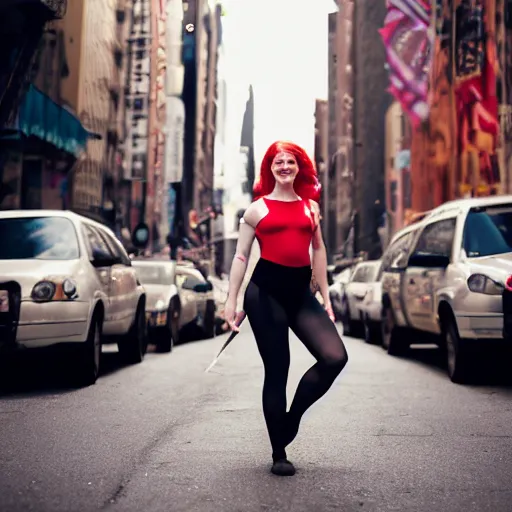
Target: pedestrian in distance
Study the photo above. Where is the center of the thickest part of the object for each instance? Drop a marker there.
(285, 218)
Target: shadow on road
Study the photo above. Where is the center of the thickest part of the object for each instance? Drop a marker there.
(493, 367)
(43, 372)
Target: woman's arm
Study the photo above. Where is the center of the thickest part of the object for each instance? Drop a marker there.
(246, 236)
(320, 262)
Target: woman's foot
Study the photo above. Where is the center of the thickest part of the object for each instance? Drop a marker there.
(283, 467)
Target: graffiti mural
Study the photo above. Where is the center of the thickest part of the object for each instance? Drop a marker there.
(476, 69)
(458, 150)
(432, 146)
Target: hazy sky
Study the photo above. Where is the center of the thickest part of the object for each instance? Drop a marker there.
(280, 47)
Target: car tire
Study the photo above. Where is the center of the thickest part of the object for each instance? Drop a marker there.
(168, 336)
(394, 339)
(133, 347)
(88, 357)
(372, 331)
(459, 357)
(209, 319)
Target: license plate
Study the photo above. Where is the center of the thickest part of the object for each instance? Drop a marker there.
(4, 301)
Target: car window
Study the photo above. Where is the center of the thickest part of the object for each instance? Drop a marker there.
(395, 256)
(488, 232)
(360, 274)
(95, 241)
(437, 238)
(116, 247)
(42, 238)
(155, 274)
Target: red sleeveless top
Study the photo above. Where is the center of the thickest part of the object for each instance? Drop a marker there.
(285, 233)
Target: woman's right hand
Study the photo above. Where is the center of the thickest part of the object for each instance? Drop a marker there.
(230, 314)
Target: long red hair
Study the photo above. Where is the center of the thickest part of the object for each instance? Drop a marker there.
(306, 183)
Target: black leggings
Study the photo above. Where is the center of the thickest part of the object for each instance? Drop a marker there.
(278, 298)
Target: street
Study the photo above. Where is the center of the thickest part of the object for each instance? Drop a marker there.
(392, 434)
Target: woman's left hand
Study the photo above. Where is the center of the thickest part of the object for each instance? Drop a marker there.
(330, 312)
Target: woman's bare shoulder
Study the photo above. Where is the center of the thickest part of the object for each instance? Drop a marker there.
(255, 212)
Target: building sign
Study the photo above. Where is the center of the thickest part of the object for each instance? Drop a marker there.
(137, 98)
(175, 133)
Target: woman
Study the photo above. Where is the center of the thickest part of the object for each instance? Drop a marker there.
(285, 220)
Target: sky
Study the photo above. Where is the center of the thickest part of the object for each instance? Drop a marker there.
(280, 47)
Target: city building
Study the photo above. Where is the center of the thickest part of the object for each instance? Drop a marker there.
(201, 39)
(358, 97)
(22, 25)
(322, 151)
(172, 218)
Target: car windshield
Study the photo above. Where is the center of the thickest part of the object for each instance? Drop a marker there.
(158, 274)
(41, 238)
(488, 232)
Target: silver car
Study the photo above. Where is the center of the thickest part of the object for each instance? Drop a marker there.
(443, 280)
(65, 279)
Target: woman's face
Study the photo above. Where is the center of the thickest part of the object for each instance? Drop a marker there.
(284, 168)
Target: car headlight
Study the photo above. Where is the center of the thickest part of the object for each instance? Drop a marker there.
(69, 288)
(480, 283)
(50, 289)
(160, 305)
(44, 291)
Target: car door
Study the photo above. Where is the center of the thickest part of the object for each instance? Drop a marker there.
(96, 243)
(394, 264)
(420, 283)
(125, 287)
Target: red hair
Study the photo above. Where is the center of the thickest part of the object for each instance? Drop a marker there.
(306, 183)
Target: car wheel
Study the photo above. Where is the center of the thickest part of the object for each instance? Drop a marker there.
(133, 347)
(168, 336)
(89, 355)
(209, 319)
(393, 337)
(458, 356)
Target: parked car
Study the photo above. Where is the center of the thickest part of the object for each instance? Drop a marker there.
(443, 281)
(336, 290)
(163, 304)
(354, 294)
(197, 300)
(67, 280)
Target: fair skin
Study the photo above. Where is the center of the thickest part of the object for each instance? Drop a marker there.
(285, 169)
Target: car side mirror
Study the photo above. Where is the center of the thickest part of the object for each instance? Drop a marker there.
(428, 260)
(202, 287)
(102, 259)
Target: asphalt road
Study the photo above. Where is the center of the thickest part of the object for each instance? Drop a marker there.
(392, 434)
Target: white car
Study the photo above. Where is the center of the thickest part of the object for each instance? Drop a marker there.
(443, 281)
(65, 279)
(358, 303)
(163, 305)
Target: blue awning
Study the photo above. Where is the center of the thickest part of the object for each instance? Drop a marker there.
(39, 116)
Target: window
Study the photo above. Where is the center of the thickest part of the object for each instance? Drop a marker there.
(42, 238)
(155, 274)
(488, 232)
(360, 275)
(96, 242)
(397, 253)
(116, 248)
(437, 238)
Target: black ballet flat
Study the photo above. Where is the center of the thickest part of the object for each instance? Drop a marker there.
(283, 467)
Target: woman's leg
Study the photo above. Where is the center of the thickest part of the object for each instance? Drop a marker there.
(318, 333)
(269, 323)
